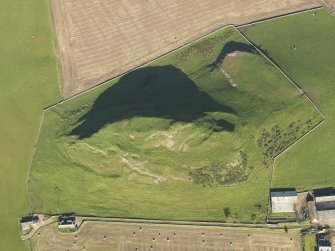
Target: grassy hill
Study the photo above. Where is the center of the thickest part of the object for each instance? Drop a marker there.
(190, 136)
(29, 82)
(303, 46)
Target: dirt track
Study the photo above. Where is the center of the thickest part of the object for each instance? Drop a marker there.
(121, 237)
(100, 39)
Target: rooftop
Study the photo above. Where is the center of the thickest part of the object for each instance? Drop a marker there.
(29, 219)
(325, 205)
(322, 241)
(66, 220)
(326, 214)
(283, 201)
(324, 192)
(283, 193)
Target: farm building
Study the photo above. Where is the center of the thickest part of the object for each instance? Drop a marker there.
(67, 221)
(283, 201)
(323, 243)
(28, 222)
(325, 204)
(323, 248)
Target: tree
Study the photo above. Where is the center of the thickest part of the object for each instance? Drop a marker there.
(226, 212)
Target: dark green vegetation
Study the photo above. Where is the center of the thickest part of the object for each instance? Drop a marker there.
(29, 82)
(222, 174)
(303, 45)
(176, 139)
(277, 140)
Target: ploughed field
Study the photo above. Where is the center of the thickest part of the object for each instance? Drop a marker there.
(98, 40)
(111, 236)
(190, 136)
(309, 164)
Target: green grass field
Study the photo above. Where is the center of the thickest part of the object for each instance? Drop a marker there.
(29, 81)
(309, 164)
(181, 138)
(309, 242)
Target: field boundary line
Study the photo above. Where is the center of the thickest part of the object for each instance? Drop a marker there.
(187, 44)
(55, 46)
(293, 144)
(188, 223)
(328, 8)
(146, 63)
(181, 222)
(32, 159)
(281, 16)
(55, 50)
(299, 88)
(63, 99)
(173, 223)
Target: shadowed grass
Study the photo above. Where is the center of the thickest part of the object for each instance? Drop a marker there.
(163, 92)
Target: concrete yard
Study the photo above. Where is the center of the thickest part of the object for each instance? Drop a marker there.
(142, 237)
(100, 39)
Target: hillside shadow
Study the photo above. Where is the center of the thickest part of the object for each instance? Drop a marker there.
(163, 92)
(230, 47)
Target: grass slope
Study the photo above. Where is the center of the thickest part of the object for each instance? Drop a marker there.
(309, 164)
(28, 77)
(126, 149)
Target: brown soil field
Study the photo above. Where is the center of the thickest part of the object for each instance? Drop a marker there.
(100, 39)
(124, 237)
(330, 4)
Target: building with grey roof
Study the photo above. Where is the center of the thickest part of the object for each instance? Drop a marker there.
(323, 243)
(325, 215)
(321, 248)
(325, 204)
(67, 221)
(283, 201)
(29, 221)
